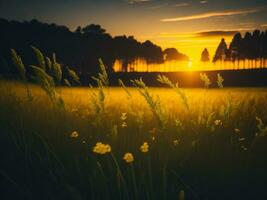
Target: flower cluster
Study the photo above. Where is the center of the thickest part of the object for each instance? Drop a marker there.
(128, 157)
(101, 148)
(218, 122)
(237, 130)
(124, 125)
(123, 116)
(144, 147)
(74, 134)
(176, 142)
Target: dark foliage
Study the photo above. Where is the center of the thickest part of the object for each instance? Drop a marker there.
(80, 49)
(221, 50)
(205, 56)
(173, 54)
(252, 46)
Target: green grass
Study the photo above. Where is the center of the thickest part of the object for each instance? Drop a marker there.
(188, 153)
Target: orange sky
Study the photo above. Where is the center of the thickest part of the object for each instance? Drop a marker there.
(191, 44)
(188, 25)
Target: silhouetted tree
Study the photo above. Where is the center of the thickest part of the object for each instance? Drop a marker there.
(205, 56)
(255, 45)
(220, 53)
(151, 52)
(174, 54)
(78, 30)
(127, 49)
(236, 48)
(264, 48)
(252, 47)
(79, 49)
(93, 29)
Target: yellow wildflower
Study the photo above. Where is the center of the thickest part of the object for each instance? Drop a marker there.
(123, 116)
(237, 130)
(244, 148)
(241, 139)
(124, 125)
(218, 122)
(74, 134)
(144, 147)
(128, 157)
(176, 142)
(101, 148)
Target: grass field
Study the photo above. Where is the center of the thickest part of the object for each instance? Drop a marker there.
(179, 143)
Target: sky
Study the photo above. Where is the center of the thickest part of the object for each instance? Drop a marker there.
(188, 25)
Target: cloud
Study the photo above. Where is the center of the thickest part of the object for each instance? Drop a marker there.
(216, 33)
(246, 23)
(181, 4)
(167, 4)
(177, 35)
(205, 33)
(157, 6)
(210, 14)
(138, 1)
(264, 25)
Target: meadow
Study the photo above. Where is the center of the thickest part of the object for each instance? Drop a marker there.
(130, 143)
(215, 149)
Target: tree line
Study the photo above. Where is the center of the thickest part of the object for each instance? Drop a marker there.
(79, 49)
(251, 46)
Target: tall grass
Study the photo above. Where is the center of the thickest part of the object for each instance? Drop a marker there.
(17, 61)
(166, 81)
(130, 143)
(153, 102)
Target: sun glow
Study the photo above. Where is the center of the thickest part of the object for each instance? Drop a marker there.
(192, 45)
(140, 65)
(190, 63)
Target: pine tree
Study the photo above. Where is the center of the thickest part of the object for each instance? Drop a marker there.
(221, 51)
(205, 56)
